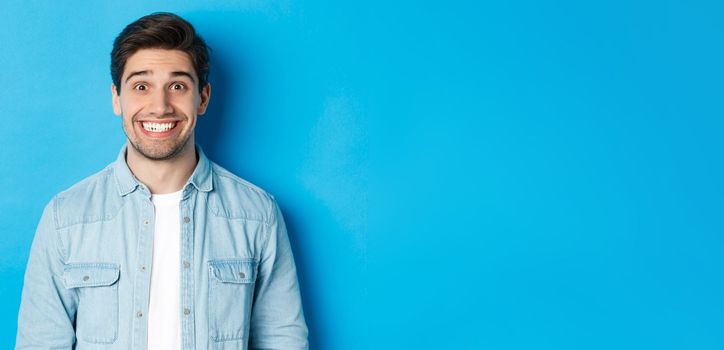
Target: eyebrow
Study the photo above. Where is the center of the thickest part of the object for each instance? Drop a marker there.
(183, 74)
(173, 74)
(141, 72)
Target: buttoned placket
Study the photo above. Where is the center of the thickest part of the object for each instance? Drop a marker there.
(144, 259)
(188, 340)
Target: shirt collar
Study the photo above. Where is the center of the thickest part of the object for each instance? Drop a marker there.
(126, 183)
(201, 177)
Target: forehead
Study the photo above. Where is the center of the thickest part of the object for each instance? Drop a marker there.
(159, 61)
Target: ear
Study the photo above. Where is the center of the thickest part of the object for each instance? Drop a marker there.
(205, 95)
(116, 99)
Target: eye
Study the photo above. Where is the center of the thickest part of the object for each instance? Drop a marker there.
(178, 86)
(140, 87)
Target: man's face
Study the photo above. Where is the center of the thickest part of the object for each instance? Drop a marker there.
(159, 102)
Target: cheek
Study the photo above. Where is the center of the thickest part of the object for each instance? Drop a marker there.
(130, 103)
(129, 107)
(186, 106)
(127, 121)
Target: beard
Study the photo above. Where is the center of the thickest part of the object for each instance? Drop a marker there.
(156, 151)
(159, 154)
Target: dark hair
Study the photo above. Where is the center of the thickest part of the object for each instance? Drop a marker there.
(160, 30)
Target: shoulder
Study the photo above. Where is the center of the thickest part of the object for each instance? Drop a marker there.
(236, 198)
(87, 201)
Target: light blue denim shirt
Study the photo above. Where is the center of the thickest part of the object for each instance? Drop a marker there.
(87, 279)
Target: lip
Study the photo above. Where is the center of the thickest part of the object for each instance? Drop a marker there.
(159, 135)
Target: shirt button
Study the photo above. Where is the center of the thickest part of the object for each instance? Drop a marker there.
(187, 219)
(145, 222)
(85, 278)
(142, 268)
(187, 264)
(187, 311)
(139, 314)
(242, 275)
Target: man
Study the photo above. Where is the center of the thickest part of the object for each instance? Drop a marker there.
(162, 249)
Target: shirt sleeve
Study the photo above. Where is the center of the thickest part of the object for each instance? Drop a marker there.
(277, 320)
(47, 308)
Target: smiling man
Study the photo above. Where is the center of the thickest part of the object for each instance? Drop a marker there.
(162, 249)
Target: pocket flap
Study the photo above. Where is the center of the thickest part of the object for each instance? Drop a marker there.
(90, 274)
(233, 270)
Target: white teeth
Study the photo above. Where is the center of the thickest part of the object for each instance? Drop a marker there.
(158, 127)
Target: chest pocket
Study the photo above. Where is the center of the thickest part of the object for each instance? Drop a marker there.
(97, 314)
(231, 291)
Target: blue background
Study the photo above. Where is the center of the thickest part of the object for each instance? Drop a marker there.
(513, 175)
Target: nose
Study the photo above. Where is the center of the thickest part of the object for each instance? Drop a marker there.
(159, 104)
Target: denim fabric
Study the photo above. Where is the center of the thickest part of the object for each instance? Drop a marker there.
(87, 279)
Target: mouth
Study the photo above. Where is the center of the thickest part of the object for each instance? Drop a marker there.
(158, 129)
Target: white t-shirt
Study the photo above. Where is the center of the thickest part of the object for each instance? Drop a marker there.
(164, 319)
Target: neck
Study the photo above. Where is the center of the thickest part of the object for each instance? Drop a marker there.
(163, 176)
